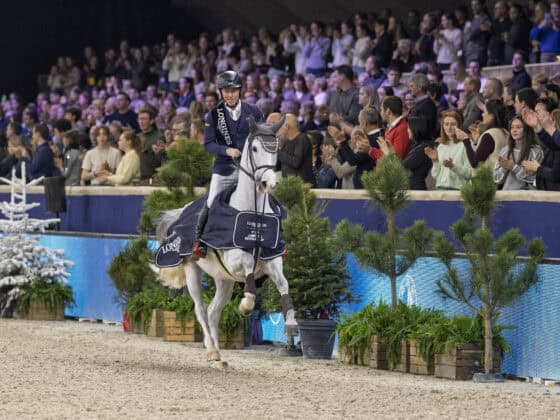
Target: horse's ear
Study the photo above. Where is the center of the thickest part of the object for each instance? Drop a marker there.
(252, 124)
(276, 127)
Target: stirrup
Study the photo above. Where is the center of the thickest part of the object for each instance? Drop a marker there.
(199, 249)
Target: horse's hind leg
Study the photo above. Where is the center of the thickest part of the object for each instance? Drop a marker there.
(224, 289)
(195, 289)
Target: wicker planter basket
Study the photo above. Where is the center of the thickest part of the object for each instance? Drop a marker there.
(39, 311)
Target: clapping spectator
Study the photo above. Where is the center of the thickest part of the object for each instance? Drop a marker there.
(128, 169)
(522, 145)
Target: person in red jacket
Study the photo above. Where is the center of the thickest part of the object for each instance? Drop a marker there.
(396, 132)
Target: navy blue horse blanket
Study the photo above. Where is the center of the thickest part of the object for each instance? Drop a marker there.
(226, 228)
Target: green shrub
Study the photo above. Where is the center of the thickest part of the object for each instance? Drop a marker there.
(53, 294)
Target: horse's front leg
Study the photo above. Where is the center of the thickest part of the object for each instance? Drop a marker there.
(224, 289)
(274, 270)
(247, 303)
(195, 290)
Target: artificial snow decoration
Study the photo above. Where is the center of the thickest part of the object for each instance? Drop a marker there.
(22, 259)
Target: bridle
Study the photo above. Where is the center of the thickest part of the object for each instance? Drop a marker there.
(269, 146)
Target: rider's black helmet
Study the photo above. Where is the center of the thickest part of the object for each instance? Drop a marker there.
(229, 79)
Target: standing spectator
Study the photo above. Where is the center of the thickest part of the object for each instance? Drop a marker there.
(423, 106)
(306, 113)
(316, 49)
(397, 129)
(522, 145)
(294, 44)
(294, 154)
(477, 33)
(71, 165)
(43, 158)
(383, 43)
(342, 45)
(403, 57)
(472, 111)
(518, 36)
(375, 76)
(301, 93)
(525, 100)
(152, 143)
(548, 34)
(126, 116)
(500, 29)
(361, 50)
(520, 77)
(343, 102)
(424, 46)
(369, 131)
(186, 92)
(447, 42)
(451, 168)
(174, 63)
(101, 157)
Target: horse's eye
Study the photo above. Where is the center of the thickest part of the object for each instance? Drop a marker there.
(255, 149)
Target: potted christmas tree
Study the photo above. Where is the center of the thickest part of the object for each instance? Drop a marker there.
(32, 277)
(497, 276)
(315, 269)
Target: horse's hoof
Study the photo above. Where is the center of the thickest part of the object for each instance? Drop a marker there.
(222, 364)
(246, 306)
(214, 356)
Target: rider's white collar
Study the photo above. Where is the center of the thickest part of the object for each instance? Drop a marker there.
(234, 112)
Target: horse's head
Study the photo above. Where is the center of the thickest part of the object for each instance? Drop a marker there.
(261, 153)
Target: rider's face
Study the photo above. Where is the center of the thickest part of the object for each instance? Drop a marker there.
(231, 96)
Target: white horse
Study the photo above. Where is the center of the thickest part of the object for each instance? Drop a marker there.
(257, 179)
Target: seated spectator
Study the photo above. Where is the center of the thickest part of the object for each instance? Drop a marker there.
(343, 102)
(474, 70)
(197, 130)
(301, 93)
(416, 160)
(322, 169)
(451, 168)
(520, 76)
(7, 158)
(522, 145)
(71, 165)
(492, 90)
(59, 128)
(375, 75)
(403, 57)
(552, 91)
(394, 81)
(489, 137)
(126, 116)
(436, 95)
(42, 163)
(525, 100)
(102, 157)
(306, 113)
(128, 169)
(538, 83)
(294, 152)
(508, 97)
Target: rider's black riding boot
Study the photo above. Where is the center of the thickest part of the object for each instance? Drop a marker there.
(199, 249)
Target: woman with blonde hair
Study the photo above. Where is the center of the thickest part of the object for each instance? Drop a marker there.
(451, 168)
(129, 166)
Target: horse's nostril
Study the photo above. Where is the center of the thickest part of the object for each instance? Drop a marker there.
(264, 183)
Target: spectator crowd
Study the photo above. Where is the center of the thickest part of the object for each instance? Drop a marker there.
(109, 119)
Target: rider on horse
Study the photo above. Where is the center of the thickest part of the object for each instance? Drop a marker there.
(226, 129)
